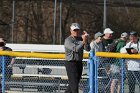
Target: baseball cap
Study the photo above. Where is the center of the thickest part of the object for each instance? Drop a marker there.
(133, 33)
(74, 26)
(124, 34)
(108, 30)
(98, 34)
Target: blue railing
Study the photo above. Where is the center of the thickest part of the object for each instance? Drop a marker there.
(93, 73)
(3, 75)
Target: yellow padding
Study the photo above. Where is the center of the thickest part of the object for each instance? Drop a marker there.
(36, 55)
(117, 55)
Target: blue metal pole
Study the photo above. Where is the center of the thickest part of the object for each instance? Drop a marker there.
(91, 73)
(122, 63)
(3, 75)
(96, 74)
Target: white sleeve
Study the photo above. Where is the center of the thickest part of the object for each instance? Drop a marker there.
(139, 47)
(123, 50)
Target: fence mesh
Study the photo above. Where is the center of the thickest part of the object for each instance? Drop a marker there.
(110, 76)
(42, 75)
(38, 75)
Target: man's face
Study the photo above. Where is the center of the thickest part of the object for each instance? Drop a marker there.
(108, 35)
(133, 38)
(99, 39)
(125, 38)
(75, 32)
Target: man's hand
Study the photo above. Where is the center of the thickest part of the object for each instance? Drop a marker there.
(10, 66)
(85, 37)
(134, 51)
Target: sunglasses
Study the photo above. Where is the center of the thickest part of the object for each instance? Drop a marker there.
(76, 30)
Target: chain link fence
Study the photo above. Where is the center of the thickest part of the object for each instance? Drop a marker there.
(37, 75)
(113, 76)
(42, 75)
(109, 75)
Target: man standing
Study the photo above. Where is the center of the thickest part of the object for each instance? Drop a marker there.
(133, 65)
(116, 65)
(108, 40)
(107, 43)
(74, 46)
(96, 44)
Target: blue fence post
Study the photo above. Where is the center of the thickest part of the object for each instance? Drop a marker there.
(96, 74)
(122, 72)
(3, 75)
(91, 72)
